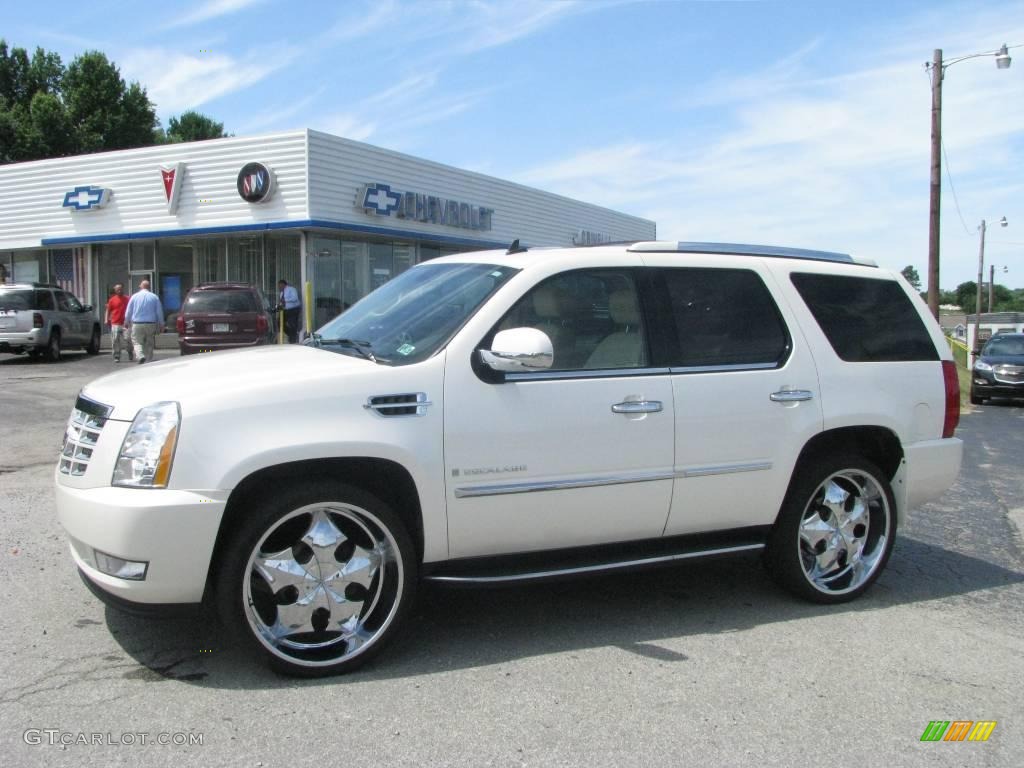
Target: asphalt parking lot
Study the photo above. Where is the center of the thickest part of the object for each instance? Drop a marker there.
(705, 664)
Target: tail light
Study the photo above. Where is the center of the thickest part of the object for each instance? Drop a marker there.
(37, 320)
(180, 325)
(262, 326)
(952, 383)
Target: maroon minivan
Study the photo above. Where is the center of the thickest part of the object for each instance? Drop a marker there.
(223, 316)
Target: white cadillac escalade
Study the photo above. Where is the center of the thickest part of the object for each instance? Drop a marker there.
(509, 416)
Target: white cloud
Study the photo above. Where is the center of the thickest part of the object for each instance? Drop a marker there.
(176, 81)
(212, 10)
(347, 125)
(839, 163)
(489, 25)
(286, 117)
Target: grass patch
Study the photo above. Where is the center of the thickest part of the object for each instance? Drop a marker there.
(965, 385)
(964, 376)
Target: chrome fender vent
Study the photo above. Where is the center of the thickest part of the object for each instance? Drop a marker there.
(411, 404)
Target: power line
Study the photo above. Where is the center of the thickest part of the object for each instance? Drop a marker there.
(949, 178)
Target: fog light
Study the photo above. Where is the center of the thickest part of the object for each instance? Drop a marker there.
(980, 381)
(122, 569)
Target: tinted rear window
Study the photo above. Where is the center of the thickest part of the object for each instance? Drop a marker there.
(221, 301)
(866, 320)
(17, 299)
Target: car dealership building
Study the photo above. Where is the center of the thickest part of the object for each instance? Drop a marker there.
(301, 205)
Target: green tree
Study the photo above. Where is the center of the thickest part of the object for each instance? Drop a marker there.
(912, 277)
(967, 296)
(193, 126)
(106, 113)
(9, 126)
(48, 131)
(49, 110)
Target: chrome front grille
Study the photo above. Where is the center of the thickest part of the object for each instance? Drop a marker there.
(81, 435)
(1009, 374)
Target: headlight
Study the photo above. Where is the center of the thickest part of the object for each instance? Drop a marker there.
(148, 449)
(980, 366)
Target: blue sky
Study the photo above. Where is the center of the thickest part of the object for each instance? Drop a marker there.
(783, 122)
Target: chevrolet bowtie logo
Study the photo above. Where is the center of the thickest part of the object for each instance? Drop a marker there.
(86, 198)
(379, 199)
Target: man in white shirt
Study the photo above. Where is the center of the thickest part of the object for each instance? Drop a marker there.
(288, 298)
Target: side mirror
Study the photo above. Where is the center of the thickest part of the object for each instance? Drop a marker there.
(87, 307)
(519, 350)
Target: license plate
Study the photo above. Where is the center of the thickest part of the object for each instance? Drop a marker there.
(221, 327)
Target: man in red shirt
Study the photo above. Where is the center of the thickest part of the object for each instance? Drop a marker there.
(115, 317)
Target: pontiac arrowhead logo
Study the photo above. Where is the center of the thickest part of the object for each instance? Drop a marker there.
(172, 176)
(86, 198)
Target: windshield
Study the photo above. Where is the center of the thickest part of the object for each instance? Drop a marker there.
(1005, 347)
(409, 318)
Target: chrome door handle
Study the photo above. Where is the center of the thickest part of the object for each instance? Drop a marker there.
(637, 406)
(790, 395)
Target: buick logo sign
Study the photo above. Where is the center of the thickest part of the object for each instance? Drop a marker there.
(255, 183)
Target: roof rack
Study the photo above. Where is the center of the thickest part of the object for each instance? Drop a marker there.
(738, 249)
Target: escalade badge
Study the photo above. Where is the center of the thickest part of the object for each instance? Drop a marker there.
(477, 471)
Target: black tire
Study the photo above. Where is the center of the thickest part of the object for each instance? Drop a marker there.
(369, 597)
(827, 544)
(52, 352)
(94, 341)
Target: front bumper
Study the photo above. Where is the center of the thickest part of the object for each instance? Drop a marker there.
(987, 386)
(173, 531)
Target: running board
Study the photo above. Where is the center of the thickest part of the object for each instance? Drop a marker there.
(540, 566)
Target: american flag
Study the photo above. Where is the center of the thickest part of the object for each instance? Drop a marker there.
(69, 270)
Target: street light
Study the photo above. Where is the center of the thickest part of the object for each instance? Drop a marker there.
(981, 269)
(938, 67)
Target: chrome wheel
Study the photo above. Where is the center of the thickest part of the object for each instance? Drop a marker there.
(323, 584)
(835, 530)
(844, 531)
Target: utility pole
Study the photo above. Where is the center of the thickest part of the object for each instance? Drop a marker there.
(936, 185)
(991, 283)
(977, 304)
(938, 67)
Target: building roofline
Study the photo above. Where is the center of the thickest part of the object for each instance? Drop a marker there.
(270, 225)
(154, 149)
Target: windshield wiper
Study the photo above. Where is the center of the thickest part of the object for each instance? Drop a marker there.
(364, 348)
